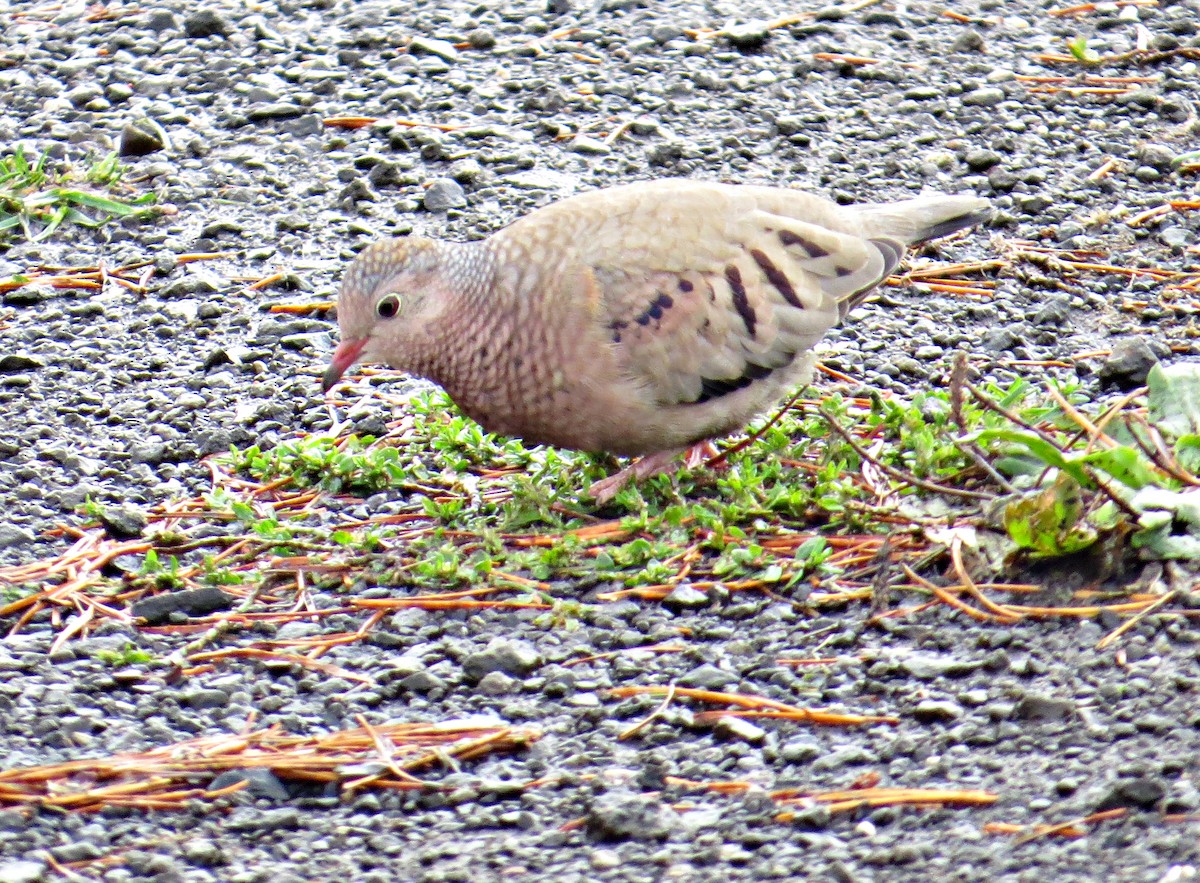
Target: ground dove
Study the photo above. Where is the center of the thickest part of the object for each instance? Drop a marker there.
(639, 320)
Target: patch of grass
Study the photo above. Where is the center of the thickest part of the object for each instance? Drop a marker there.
(1015, 462)
(35, 199)
(349, 465)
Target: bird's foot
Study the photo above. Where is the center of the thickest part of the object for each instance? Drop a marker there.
(700, 453)
(652, 464)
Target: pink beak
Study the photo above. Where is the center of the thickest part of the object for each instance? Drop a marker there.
(344, 356)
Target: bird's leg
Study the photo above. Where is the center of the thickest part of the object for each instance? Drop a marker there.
(652, 464)
(700, 453)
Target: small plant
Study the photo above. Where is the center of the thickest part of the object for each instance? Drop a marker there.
(164, 576)
(128, 655)
(351, 465)
(1138, 473)
(563, 615)
(1080, 51)
(37, 202)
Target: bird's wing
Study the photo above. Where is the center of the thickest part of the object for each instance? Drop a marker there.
(704, 289)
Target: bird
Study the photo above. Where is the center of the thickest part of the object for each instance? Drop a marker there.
(640, 320)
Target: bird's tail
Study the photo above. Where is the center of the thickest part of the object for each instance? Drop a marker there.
(892, 227)
(922, 218)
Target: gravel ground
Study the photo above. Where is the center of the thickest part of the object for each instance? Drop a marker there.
(116, 396)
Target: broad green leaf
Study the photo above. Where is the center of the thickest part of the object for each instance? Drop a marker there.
(1173, 399)
(1039, 448)
(1187, 452)
(1127, 465)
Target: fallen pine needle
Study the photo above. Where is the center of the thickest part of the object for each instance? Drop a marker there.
(760, 704)
(152, 779)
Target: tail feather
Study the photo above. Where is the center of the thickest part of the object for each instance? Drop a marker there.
(925, 217)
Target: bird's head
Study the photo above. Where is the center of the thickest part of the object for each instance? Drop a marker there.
(388, 295)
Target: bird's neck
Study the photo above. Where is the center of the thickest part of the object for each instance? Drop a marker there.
(464, 308)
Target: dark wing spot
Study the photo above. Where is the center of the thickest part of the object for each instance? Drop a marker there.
(777, 277)
(713, 389)
(842, 271)
(657, 307)
(787, 237)
(740, 302)
(685, 285)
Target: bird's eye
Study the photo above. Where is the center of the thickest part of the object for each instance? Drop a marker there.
(388, 306)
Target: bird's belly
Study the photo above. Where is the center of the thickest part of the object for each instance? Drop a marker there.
(574, 415)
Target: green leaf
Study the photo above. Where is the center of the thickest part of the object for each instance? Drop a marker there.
(1173, 399)
(1049, 523)
(91, 200)
(243, 512)
(1037, 447)
(1187, 452)
(1079, 49)
(1125, 464)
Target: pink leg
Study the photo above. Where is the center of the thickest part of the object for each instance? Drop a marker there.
(652, 464)
(700, 453)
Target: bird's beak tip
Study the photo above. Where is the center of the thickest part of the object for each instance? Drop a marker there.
(344, 356)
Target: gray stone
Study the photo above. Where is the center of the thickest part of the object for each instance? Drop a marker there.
(800, 750)
(591, 146)
(708, 677)
(428, 46)
(979, 160)
(1177, 237)
(1129, 363)
(288, 818)
(206, 698)
(740, 728)
(123, 522)
(750, 35)
(139, 139)
(259, 782)
(1144, 792)
(1157, 156)
(989, 96)
(931, 711)
(623, 816)
(206, 23)
(1043, 708)
(495, 683)
(922, 93)
(22, 871)
(443, 194)
(11, 535)
(685, 596)
(927, 667)
(157, 609)
(277, 110)
(14, 363)
(516, 658)
(203, 851)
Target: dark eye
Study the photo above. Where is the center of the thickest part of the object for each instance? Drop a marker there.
(388, 306)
